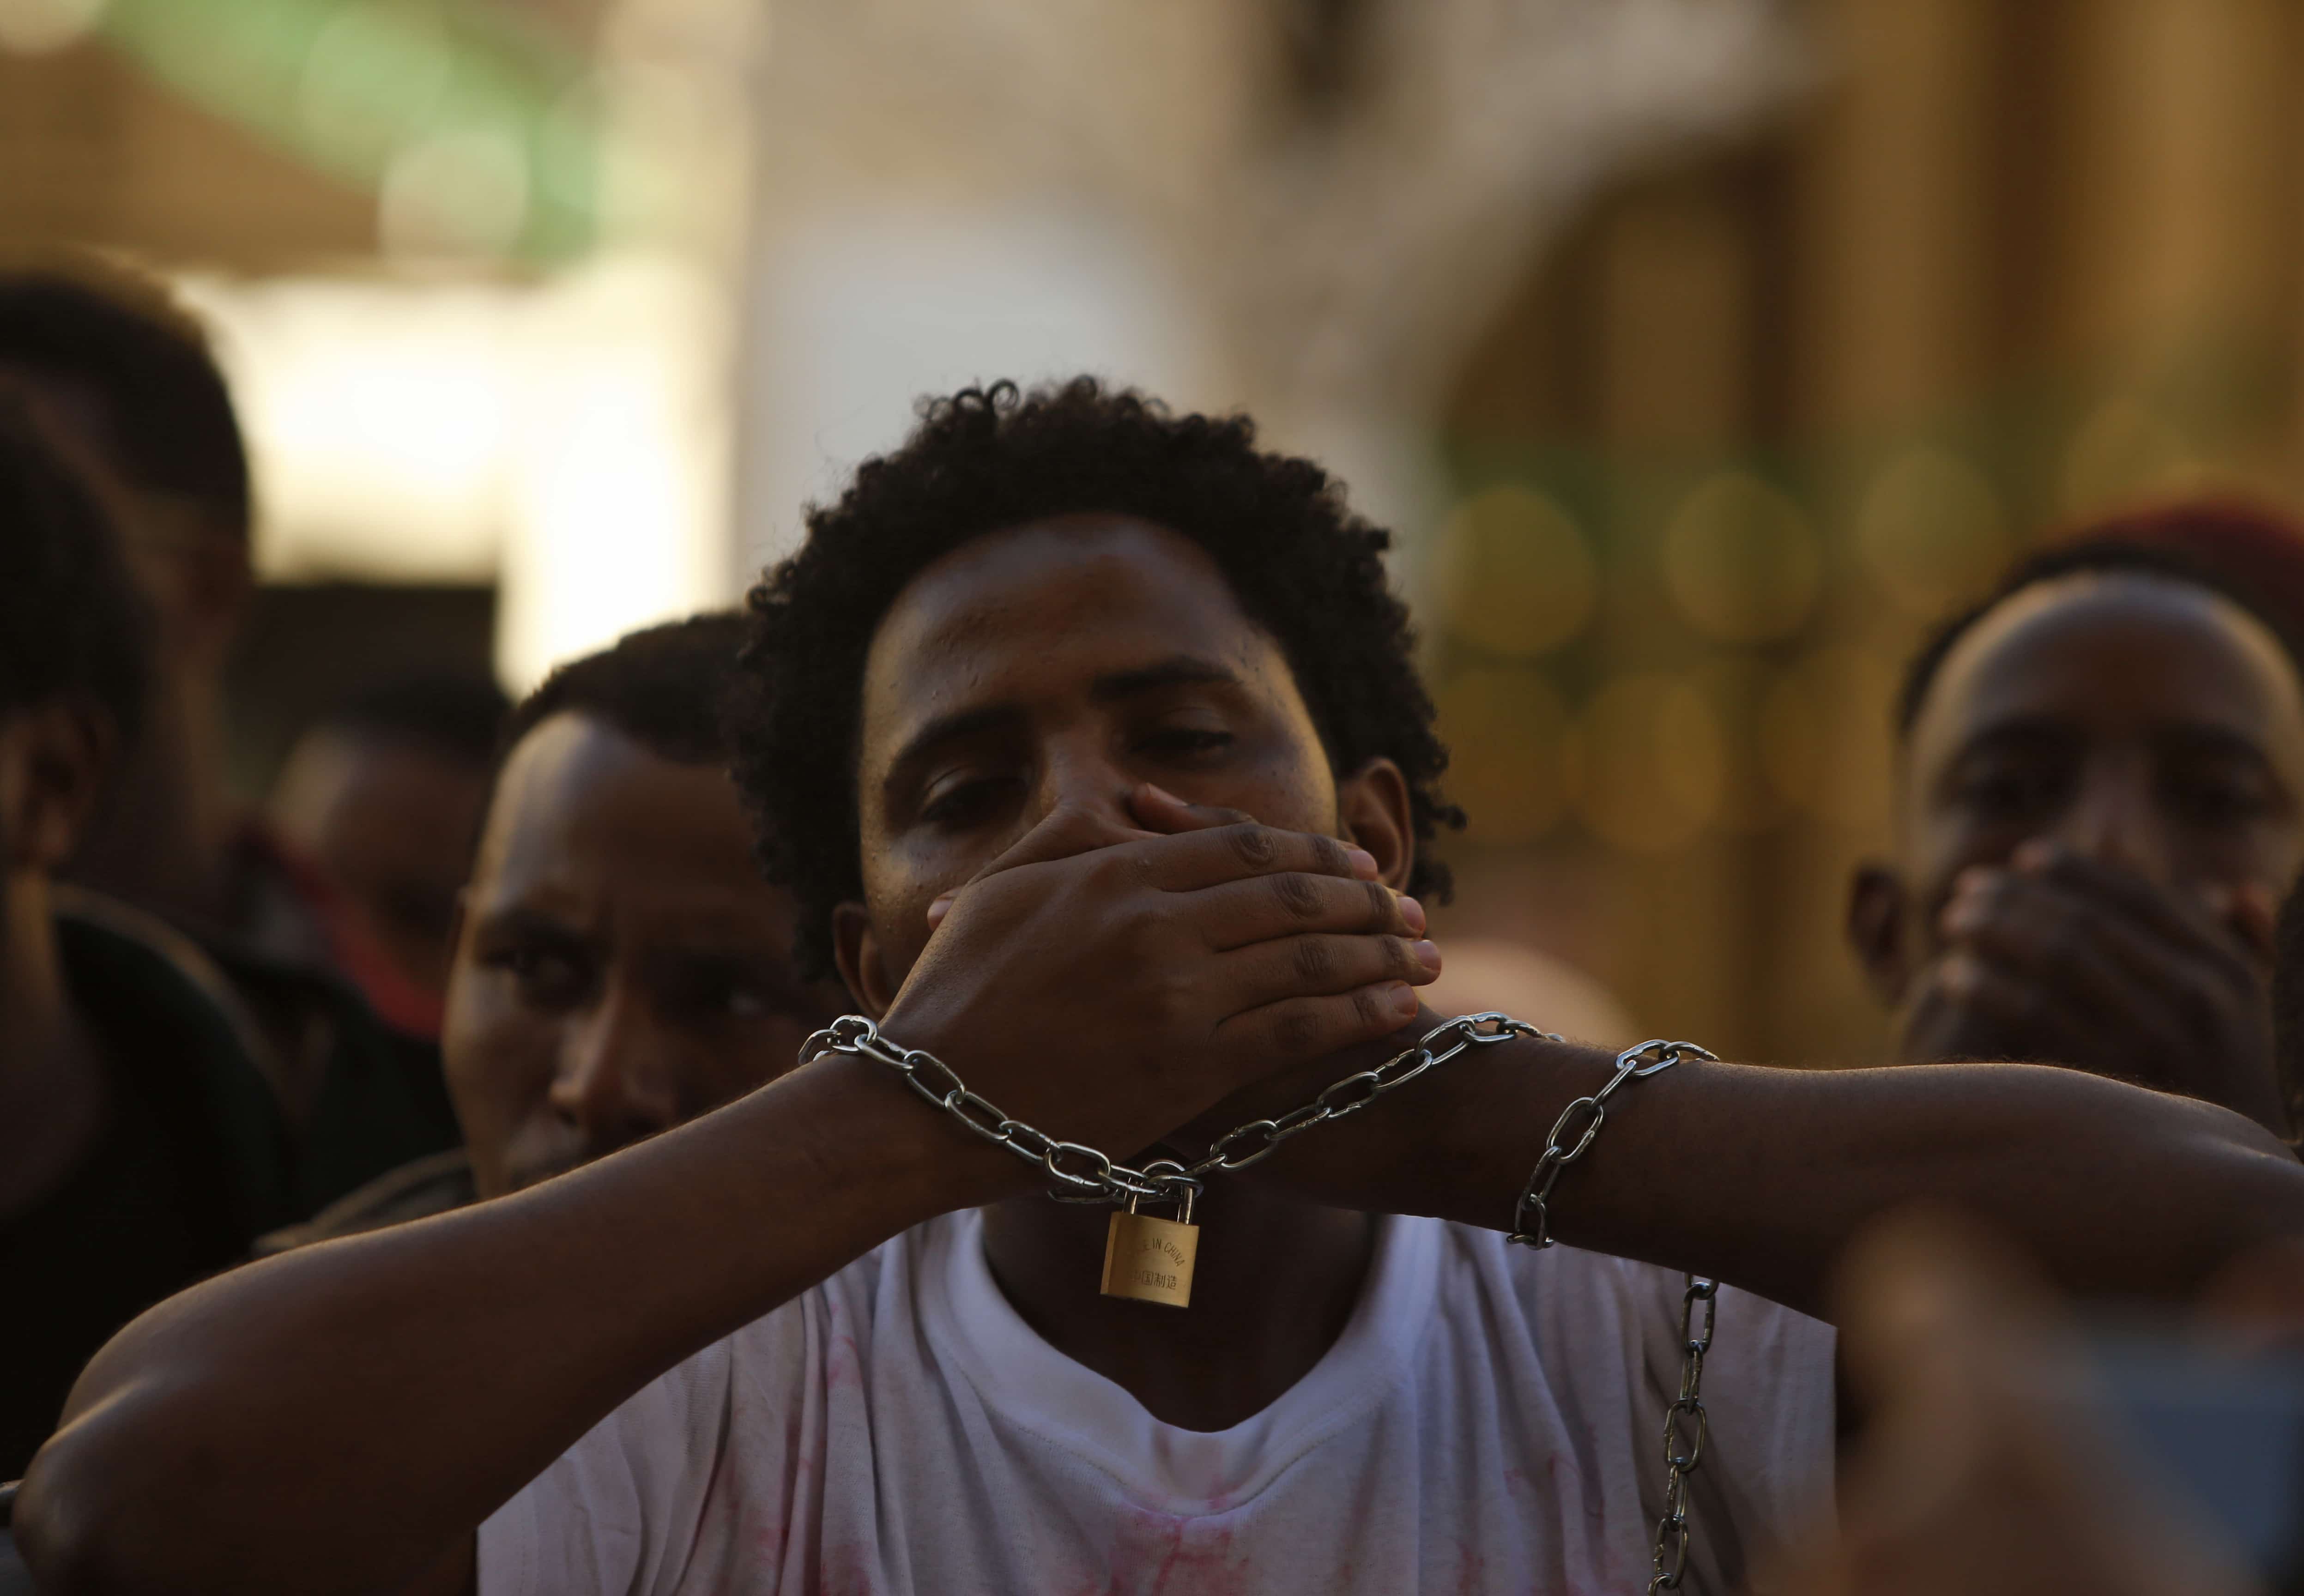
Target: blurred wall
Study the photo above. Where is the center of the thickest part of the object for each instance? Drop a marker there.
(1770, 410)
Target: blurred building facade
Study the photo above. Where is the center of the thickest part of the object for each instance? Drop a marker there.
(1703, 351)
(1774, 408)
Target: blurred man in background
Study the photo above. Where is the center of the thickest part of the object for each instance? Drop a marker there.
(139, 1148)
(2100, 803)
(620, 964)
(382, 798)
(122, 380)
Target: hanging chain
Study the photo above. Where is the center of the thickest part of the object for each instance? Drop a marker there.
(1572, 1134)
(1084, 1175)
(1685, 1427)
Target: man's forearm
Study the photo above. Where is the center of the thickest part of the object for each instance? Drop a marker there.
(1759, 1176)
(334, 1419)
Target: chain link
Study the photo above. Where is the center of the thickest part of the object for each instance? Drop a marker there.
(1243, 1145)
(1579, 1125)
(1083, 1175)
(1685, 1429)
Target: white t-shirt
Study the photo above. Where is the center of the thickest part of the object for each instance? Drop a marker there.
(1491, 1420)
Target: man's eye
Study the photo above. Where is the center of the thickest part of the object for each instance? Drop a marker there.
(544, 975)
(709, 998)
(2013, 792)
(960, 804)
(1184, 742)
(2208, 799)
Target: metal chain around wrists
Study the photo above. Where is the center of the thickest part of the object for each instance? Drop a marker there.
(1579, 1123)
(1083, 1174)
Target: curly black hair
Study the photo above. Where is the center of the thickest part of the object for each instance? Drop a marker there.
(1303, 567)
(664, 686)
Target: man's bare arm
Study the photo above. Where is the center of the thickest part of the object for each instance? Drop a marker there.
(338, 1418)
(1760, 1176)
(341, 1418)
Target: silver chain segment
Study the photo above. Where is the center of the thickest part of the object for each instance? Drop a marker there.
(1572, 1134)
(1584, 1118)
(1680, 1460)
(1084, 1175)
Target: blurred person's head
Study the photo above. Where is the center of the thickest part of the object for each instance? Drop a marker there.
(121, 377)
(71, 673)
(113, 364)
(2117, 710)
(620, 965)
(383, 795)
(1047, 598)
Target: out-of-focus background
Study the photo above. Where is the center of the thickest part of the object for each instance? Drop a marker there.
(1702, 351)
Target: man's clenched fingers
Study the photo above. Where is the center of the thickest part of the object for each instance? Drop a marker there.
(1319, 965)
(1239, 913)
(1194, 860)
(2187, 920)
(1296, 1029)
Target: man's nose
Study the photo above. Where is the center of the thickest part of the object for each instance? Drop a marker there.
(2115, 820)
(1081, 772)
(615, 1080)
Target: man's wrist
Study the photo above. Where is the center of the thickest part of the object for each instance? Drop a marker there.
(925, 1161)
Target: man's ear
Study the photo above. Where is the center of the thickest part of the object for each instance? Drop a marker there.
(856, 949)
(1372, 804)
(59, 758)
(1878, 931)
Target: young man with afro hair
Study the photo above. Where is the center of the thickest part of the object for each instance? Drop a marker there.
(1016, 700)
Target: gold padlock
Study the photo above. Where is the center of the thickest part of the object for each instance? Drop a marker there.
(1150, 1260)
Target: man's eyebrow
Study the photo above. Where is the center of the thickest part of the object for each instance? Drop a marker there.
(1179, 670)
(949, 729)
(2197, 737)
(2025, 726)
(517, 917)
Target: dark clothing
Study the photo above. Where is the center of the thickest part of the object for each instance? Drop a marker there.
(381, 1100)
(192, 1164)
(361, 1097)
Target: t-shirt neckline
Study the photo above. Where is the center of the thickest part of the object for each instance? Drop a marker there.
(1165, 1467)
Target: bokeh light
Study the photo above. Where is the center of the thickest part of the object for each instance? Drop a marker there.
(1654, 757)
(376, 76)
(1519, 576)
(37, 27)
(1513, 764)
(1735, 685)
(2124, 451)
(1741, 559)
(461, 193)
(1827, 739)
(1931, 532)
